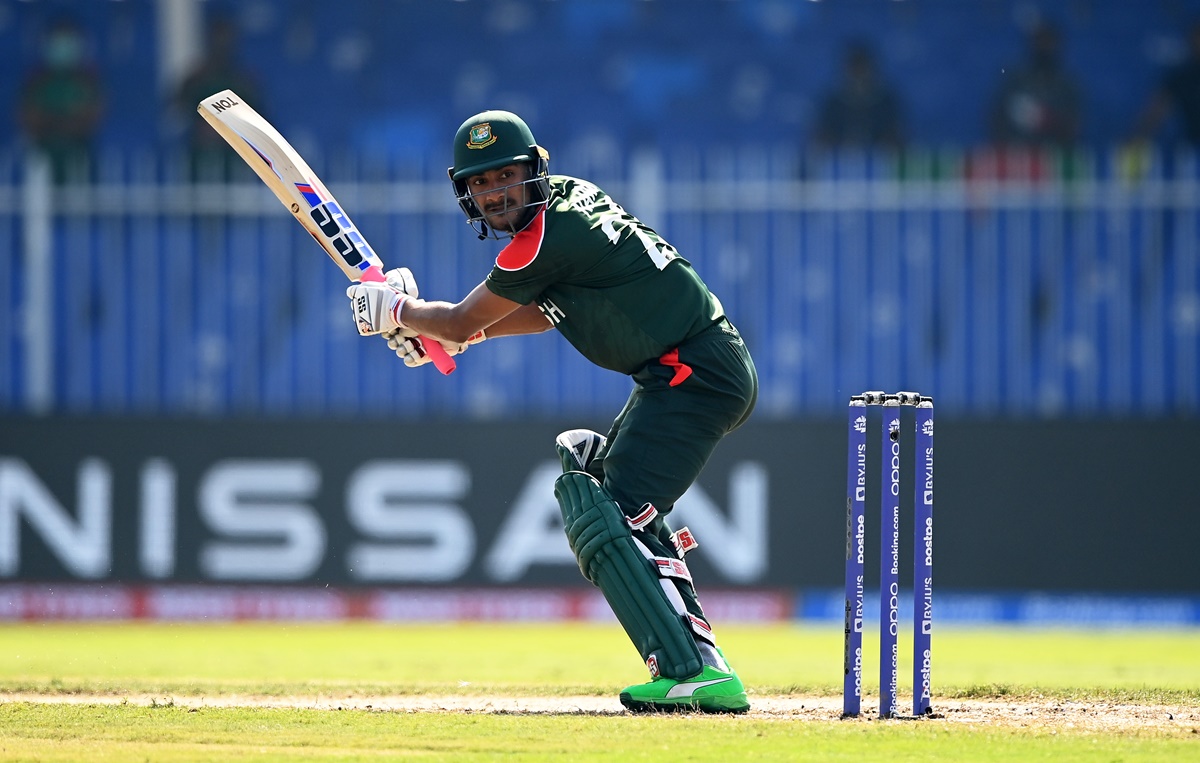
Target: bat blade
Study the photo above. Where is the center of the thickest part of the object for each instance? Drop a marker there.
(294, 183)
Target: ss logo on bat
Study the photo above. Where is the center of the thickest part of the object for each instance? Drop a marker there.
(329, 225)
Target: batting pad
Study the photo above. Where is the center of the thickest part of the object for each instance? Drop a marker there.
(604, 546)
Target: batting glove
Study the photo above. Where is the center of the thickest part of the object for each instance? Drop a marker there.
(411, 350)
(376, 307)
(402, 279)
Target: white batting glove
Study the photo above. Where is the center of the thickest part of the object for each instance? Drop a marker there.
(376, 307)
(402, 279)
(409, 347)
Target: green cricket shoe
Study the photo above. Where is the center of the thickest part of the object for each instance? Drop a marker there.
(712, 691)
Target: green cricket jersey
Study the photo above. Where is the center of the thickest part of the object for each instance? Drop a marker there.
(615, 289)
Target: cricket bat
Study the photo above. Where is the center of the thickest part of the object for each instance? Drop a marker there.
(295, 184)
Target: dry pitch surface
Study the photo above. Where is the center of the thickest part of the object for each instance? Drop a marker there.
(1029, 714)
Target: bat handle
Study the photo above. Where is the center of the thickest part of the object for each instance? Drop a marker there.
(433, 348)
(441, 360)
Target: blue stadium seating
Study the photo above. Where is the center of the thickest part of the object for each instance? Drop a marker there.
(402, 73)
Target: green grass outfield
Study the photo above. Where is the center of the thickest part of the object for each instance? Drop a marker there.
(264, 692)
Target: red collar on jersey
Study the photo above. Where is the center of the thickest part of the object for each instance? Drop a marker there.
(524, 247)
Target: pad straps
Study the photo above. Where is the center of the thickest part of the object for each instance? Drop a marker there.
(684, 540)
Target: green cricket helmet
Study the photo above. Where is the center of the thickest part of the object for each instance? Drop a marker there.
(490, 140)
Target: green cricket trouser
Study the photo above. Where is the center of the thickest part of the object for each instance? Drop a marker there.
(682, 406)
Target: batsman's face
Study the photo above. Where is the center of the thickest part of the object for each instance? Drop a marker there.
(501, 194)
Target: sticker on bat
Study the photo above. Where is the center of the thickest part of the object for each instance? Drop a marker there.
(309, 192)
(221, 104)
(342, 235)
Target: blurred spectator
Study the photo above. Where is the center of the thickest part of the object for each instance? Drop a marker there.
(862, 110)
(1178, 94)
(1038, 104)
(218, 70)
(62, 101)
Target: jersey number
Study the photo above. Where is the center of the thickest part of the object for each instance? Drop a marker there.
(660, 253)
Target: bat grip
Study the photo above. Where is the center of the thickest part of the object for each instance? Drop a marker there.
(433, 348)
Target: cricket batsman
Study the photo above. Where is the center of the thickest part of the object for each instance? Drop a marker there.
(576, 261)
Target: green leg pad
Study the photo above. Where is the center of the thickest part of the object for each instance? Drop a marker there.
(604, 547)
